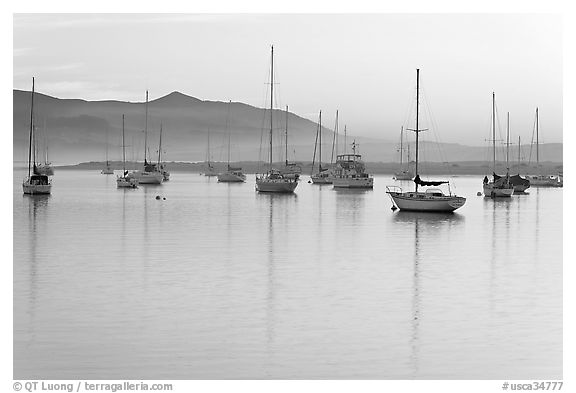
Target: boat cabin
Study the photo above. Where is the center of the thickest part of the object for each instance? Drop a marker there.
(434, 192)
(39, 180)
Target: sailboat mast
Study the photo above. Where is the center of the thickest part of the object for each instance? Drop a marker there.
(106, 147)
(45, 143)
(123, 150)
(401, 147)
(271, 101)
(286, 135)
(31, 128)
(320, 145)
(146, 130)
(507, 141)
(345, 144)
(518, 154)
(493, 132)
(228, 128)
(208, 152)
(537, 143)
(160, 146)
(335, 139)
(417, 113)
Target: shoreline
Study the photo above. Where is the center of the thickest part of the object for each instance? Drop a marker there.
(376, 168)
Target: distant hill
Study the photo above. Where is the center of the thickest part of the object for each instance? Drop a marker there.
(77, 131)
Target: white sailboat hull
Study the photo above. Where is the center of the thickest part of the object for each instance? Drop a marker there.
(276, 185)
(353, 182)
(545, 181)
(492, 192)
(147, 177)
(126, 182)
(423, 202)
(36, 189)
(228, 177)
(321, 179)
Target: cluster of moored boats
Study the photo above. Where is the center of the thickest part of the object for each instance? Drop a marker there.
(348, 171)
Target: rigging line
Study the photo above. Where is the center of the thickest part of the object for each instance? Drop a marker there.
(434, 124)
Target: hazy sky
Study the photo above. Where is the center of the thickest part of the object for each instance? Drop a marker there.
(363, 65)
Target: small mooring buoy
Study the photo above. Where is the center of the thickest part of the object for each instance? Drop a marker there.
(478, 193)
(394, 208)
(158, 197)
(164, 198)
(309, 181)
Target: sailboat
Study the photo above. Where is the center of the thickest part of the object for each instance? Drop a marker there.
(232, 174)
(432, 199)
(161, 165)
(291, 169)
(540, 180)
(45, 168)
(210, 170)
(323, 176)
(274, 180)
(35, 183)
(125, 181)
(499, 186)
(107, 170)
(150, 174)
(350, 171)
(404, 173)
(518, 182)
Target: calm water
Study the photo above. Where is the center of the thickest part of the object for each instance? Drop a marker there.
(219, 282)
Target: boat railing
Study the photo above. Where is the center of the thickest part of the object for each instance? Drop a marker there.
(393, 189)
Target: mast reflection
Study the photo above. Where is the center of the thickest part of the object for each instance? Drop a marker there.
(37, 209)
(428, 226)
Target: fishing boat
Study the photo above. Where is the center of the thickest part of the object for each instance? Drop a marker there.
(291, 169)
(500, 185)
(35, 183)
(431, 199)
(232, 174)
(541, 180)
(350, 171)
(150, 173)
(210, 170)
(323, 176)
(161, 165)
(125, 181)
(403, 173)
(274, 181)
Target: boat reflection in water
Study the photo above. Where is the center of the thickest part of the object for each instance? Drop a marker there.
(430, 226)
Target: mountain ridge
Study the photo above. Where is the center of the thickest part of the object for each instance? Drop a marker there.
(79, 130)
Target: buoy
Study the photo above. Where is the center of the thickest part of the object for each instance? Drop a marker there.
(158, 197)
(394, 208)
(478, 193)
(164, 198)
(309, 182)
